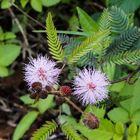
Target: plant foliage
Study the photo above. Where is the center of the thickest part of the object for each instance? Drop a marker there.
(54, 43)
(125, 41)
(45, 131)
(91, 43)
(114, 19)
(70, 132)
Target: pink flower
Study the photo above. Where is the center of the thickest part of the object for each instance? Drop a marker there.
(91, 86)
(42, 70)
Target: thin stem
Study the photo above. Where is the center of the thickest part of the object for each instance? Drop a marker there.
(19, 26)
(26, 46)
(58, 93)
(127, 78)
(73, 105)
(63, 67)
(28, 16)
(94, 4)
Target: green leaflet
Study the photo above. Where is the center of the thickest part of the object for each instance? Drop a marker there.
(126, 41)
(45, 131)
(8, 53)
(119, 128)
(49, 3)
(54, 43)
(128, 6)
(99, 112)
(70, 132)
(6, 4)
(113, 19)
(87, 23)
(127, 57)
(132, 104)
(3, 71)
(118, 19)
(36, 5)
(104, 132)
(128, 110)
(24, 124)
(92, 43)
(132, 129)
(42, 105)
(115, 116)
(24, 3)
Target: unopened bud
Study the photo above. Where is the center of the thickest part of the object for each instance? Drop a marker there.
(91, 121)
(33, 95)
(37, 86)
(66, 90)
(48, 88)
(59, 100)
(43, 94)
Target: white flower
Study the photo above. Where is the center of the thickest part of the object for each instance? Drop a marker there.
(91, 86)
(42, 70)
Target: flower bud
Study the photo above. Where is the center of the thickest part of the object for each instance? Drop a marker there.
(91, 121)
(43, 94)
(65, 90)
(59, 100)
(37, 86)
(48, 88)
(33, 95)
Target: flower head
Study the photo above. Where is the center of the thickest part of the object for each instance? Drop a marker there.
(41, 70)
(91, 86)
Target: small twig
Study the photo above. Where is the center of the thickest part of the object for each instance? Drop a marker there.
(22, 32)
(74, 105)
(119, 80)
(58, 93)
(127, 78)
(63, 67)
(96, 5)
(4, 107)
(19, 26)
(28, 16)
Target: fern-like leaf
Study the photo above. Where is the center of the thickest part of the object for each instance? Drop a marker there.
(92, 43)
(87, 60)
(70, 132)
(104, 22)
(69, 43)
(128, 57)
(114, 19)
(125, 41)
(119, 20)
(54, 43)
(43, 133)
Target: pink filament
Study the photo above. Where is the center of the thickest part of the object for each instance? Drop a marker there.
(42, 74)
(91, 86)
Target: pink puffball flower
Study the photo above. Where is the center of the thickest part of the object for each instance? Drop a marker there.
(42, 70)
(90, 86)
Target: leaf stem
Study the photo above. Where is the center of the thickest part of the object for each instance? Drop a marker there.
(73, 105)
(68, 100)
